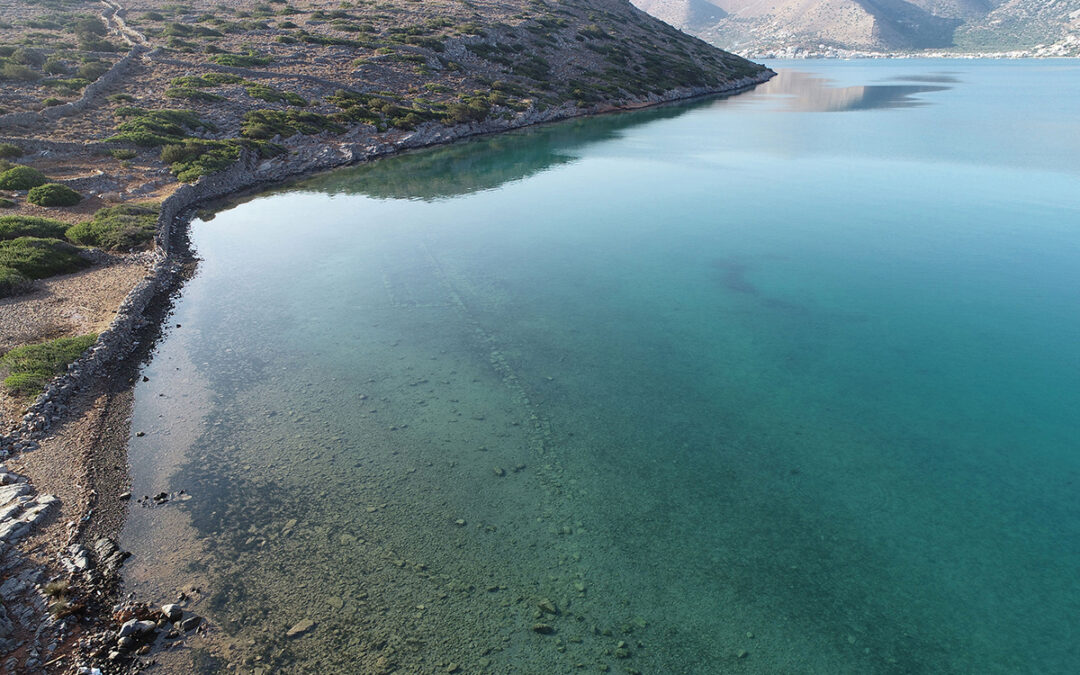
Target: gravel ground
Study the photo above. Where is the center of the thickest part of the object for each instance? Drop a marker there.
(71, 304)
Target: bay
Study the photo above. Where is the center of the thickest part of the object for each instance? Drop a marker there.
(783, 382)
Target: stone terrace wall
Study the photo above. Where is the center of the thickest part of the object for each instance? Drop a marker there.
(89, 95)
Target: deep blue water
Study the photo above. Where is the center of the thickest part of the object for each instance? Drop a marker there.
(786, 382)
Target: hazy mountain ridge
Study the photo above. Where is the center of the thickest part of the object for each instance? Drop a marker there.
(839, 27)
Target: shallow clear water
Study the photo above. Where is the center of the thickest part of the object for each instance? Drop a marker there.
(780, 383)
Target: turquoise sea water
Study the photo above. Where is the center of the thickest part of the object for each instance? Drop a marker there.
(781, 383)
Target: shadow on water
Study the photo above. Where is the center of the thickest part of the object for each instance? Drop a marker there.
(485, 163)
(931, 78)
(805, 92)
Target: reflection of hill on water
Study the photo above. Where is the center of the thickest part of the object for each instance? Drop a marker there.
(481, 164)
(804, 92)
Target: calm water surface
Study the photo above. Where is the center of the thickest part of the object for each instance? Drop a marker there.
(783, 383)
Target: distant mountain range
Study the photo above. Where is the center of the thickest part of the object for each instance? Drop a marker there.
(841, 27)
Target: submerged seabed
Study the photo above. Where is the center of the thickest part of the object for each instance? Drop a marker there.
(779, 383)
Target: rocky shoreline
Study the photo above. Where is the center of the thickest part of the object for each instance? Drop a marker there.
(98, 564)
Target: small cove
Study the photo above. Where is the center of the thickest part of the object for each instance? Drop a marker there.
(784, 382)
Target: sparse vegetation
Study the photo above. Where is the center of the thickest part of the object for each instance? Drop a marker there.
(10, 151)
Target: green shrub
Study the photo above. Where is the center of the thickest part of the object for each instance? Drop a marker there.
(12, 282)
(203, 81)
(55, 66)
(155, 127)
(6, 203)
(121, 227)
(123, 153)
(71, 84)
(92, 70)
(242, 60)
(30, 367)
(192, 94)
(269, 123)
(471, 111)
(53, 194)
(193, 159)
(262, 91)
(89, 25)
(121, 98)
(13, 227)
(15, 71)
(92, 43)
(21, 178)
(10, 150)
(36, 258)
(27, 57)
(51, 101)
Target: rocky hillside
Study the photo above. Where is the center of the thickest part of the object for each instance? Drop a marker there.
(274, 64)
(839, 27)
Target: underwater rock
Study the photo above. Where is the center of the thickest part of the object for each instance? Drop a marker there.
(543, 628)
(300, 628)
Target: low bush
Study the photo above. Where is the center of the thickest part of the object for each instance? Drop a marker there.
(15, 71)
(12, 282)
(193, 159)
(269, 123)
(53, 194)
(10, 150)
(27, 57)
(92, 70)
(155, 127)
(192, 94)
(203, 81)
(21, 178)
(54, 65)
(36, 258)
(30, 367)
(123, 153)
(70, 84)
(6, 203)
(13, 227)
(242, 60)
(266, 93)
(117, 227)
